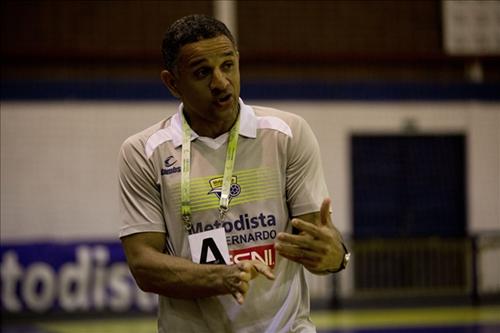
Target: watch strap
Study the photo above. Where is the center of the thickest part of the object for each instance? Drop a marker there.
(343, 263)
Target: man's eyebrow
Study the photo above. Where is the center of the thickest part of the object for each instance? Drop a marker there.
(228, 53)
(196, 62)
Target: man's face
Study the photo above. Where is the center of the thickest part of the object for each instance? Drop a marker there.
(208, 80)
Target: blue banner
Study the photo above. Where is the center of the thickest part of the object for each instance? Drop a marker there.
(252, 90)
(61, 277)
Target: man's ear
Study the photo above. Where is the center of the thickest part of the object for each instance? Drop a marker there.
(170, 82)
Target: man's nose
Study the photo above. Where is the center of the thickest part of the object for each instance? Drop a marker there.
(219, 81)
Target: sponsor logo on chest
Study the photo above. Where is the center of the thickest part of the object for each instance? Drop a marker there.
(169, 166)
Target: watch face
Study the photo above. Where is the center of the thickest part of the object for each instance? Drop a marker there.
(345, 261)
(347, 256)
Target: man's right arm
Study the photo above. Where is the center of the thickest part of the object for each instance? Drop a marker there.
(170, 276)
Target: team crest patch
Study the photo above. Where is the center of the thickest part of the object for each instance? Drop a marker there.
(216, 185)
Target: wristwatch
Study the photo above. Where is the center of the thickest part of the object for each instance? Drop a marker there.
(345, 261)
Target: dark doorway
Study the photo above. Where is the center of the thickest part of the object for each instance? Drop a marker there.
(408, 186)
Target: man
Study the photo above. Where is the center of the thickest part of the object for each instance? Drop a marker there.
(208, 196)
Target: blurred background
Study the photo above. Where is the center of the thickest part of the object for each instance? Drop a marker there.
(403, 97)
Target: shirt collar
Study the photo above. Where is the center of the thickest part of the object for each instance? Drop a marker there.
(248, 124)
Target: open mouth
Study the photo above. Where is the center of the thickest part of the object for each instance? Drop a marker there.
(224, 99)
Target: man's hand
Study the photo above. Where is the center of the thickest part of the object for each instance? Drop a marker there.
(318, 246)
(240, 275)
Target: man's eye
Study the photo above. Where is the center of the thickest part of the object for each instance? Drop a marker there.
(228, 65)
(201, 73)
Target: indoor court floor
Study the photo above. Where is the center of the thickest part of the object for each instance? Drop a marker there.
(463, 319)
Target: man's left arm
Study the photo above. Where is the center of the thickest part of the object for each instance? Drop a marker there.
(318, 245)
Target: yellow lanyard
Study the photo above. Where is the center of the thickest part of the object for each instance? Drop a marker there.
(186, 170)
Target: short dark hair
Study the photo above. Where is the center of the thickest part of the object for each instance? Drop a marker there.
(190, 29)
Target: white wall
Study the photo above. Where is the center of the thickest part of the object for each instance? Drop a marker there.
(59, 166)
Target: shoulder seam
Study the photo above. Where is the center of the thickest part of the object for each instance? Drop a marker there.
(274, 123)
(155, 140)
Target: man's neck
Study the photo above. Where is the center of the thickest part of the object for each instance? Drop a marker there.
(211, 129)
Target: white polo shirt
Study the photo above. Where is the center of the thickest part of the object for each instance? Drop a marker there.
(277, 175)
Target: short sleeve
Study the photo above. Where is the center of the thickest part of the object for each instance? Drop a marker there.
(305, 183)
(140, 198)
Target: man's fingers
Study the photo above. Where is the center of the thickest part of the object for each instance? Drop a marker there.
(308, 262)
(263, 269)
(325, 211)
(237, 280)
(245, 276)
(297, 253)
(239, 297)
(256, 267)
(248, 270)
(305, 240)
(313, 230)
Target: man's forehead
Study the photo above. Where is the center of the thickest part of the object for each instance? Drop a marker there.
(219, 46)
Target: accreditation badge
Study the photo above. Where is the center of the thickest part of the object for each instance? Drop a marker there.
(209, 247)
